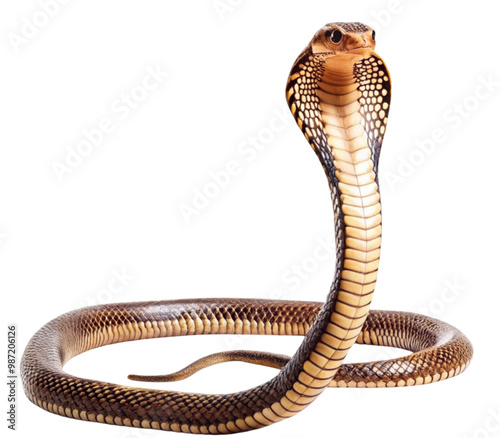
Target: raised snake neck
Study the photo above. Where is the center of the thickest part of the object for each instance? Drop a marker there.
(339, 93)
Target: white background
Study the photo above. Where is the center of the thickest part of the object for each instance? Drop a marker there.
(119, 209)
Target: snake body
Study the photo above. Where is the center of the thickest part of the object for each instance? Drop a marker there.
(339, 94)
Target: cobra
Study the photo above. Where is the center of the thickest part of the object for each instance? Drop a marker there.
(339, 93)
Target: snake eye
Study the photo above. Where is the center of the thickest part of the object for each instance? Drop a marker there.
(336, 36)
(373, 35)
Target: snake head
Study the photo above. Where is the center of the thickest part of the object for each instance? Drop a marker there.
(339, 74)
(343, 39)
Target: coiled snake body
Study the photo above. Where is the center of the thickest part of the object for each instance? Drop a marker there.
(339, 93)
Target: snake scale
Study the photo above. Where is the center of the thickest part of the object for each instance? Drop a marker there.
(339, 93)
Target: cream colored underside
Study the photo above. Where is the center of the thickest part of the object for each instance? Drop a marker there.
(341, 117)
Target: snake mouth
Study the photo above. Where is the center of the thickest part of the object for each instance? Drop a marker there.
(359, 50)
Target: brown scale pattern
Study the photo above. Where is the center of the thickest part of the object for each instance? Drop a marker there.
(48, 386)
(439, 350)
(375, 88)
